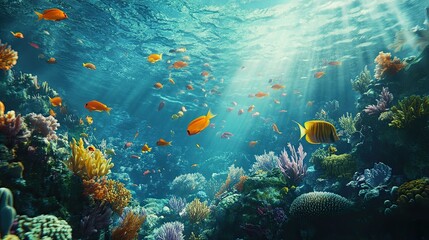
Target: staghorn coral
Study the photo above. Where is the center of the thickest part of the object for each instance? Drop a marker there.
(318, 204)
(347, 122)
(293, 167)
(197, 211)
(129, 228)
(45, 126)
(264, 162)
(362, 81)
(87, 164)
(387, 66)
(170, 231)
(409, 110)
(43, 227)
(415, 192)
(8, 57)
(117, 195)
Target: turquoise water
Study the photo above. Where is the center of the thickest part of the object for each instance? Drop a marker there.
(245, 47)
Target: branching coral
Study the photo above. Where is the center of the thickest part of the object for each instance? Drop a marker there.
(409, 110)
(177, 204)
(45, 126)
(197, 211)
(347, 122)
(293, 167)
(87, 164)
(382, 104)
(264, 162)
(362, 81)
(129, 228)
(387, 66)
(8, 57)
(117, 195)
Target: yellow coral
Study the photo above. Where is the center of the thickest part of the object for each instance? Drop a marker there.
(197, 211)
(8, 57)
(87, 164)
(117, 195)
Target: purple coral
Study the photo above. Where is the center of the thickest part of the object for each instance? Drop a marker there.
(293, 168)
(382, 104)
(177, 204)
(170, 231)
(46, 126)
(99, 218)
(12, 128)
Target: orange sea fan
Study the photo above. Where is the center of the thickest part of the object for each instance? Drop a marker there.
(8, 57)
(224, 187)
(239, 186)
(387, 66)
(129, 227)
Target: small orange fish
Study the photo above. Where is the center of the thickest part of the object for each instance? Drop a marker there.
(158, 85)
(162, 142)
(18, 34)
(81, 121)
(199, 123)
(171, 81)
(91, 148)
(204, 73)
(146, 172)
(52, 113)
(189, 87)
(276, 129)
(335, 63)
(56, 101)
(261, 94)
(251, 108)
(89, 65)
(194, 165)
(53, 14)
(146, 148)
(180, 64)
(97, 106)
(135, 156)
(277, 86)
(89, 120)
(128, 144)
(319, 74)
(51, 60)
(153, 58)
(252, 143)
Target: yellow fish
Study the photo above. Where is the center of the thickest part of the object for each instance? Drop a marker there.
(318, 131)
(153, 58)
(194, 165)
(199, 123)
(89, 120)
(85, 135)
(89, 66)
(198, 146)
(146, 148)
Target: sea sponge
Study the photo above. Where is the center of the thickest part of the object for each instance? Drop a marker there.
(318, 204)
(415, 192)
(409, 110)
(343, 166)
(387, 66)
(8, 57)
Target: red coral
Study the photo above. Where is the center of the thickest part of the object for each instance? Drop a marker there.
(385, 65)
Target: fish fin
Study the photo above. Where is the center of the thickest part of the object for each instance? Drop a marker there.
(12, 33)
(302, 130)
(160, 56)
(169, 143)
(309, 140)
(40, 15)
(83, 64)
(210, 115)
(108, 110)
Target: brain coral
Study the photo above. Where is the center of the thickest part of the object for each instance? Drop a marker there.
(415, 192)
(318, 204)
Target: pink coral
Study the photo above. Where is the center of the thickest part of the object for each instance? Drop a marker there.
(382, 104)
(385, 65)
(46, 126)
(293, 167)
(10, 126)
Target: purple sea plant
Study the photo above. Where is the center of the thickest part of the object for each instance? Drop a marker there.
(382, 104)
(99, 218)
(177, 204)
(293, 167)
(170, 231)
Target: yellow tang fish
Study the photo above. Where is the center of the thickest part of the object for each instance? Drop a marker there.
(89, 120)
(199, 123)
(318, 131)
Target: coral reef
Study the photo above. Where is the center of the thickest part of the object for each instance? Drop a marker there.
(409, 110)
(382, 104)
(45, 126)
(197, 211)
(378, 175)
(170, 231)
(43, 227)
(347, 123)
(293, 167)
(177, 204)
(98, 218)
(387, 66)
(129, 228)
(117, 195)
(7, 212)
(318, 204)
(414, 194)
(264, 162)
(97, 189)
(362, 81)
(8, 57)
(341, 166)
(189, 183)
(87, 164)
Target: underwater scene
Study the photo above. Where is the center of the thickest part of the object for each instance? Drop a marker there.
(214, 119)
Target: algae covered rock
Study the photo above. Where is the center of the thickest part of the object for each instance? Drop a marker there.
(414, 193)
(342, 166)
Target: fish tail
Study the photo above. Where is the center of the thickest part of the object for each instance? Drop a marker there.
(302, 130)
(12, 33)
(169, 143)
(108, 110)
(39, 15)
(83, 64)
(210, 115)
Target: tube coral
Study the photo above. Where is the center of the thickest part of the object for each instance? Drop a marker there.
(387, 66)
(8, 57)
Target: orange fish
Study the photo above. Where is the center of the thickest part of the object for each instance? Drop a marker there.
(146, 148)
(89, 120)
(171, 81)
(276, 129)
(18, 34)
(335, 63)
(158, 85)
(180, 64)
(189, 87)
(261, 94)
(204, 73)
(128, 144)
(56, 101)
(146, 172)
(252, 143)
(81, 121)
(36, 46)
(53, 14)
(51, 60)
(2, 108)
(162, 142)
(89, 65)
(251, 108)
(319, 74)
(199, 123)
(97, 106)
(153, 58)
(277, 86)
(52, 113)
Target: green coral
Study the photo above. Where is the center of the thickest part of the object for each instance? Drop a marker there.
(347, 122)
(342, 166)
(362, 81)
(43, 227)
(414, 192)
(409, 110)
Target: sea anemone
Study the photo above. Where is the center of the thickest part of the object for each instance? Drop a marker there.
(8, 57)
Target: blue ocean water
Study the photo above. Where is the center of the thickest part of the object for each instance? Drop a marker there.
(244, 47)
